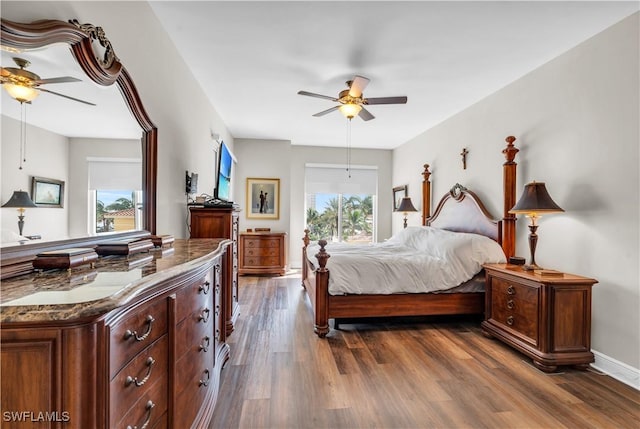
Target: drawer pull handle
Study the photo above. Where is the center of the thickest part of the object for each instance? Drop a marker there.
(217, 334)
(511, 290)
(205, 347)
(205, 383)
(510, 320)
(150, 362)
(204, 316)
(217, 310)
(129, 333)
(149, 407)
(205, 288)
(510, 304)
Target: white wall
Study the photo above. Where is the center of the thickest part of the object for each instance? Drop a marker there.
(174, 101)
(576, 120)
(47, 156)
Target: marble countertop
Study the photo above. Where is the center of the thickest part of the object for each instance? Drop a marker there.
(111, 283)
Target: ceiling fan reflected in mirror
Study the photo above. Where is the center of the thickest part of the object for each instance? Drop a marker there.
(352, 100)
(24, 85)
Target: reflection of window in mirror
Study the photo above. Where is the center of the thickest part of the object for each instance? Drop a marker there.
(115, 195)
(116, 210)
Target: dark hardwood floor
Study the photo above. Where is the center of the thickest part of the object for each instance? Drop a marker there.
(411, 373)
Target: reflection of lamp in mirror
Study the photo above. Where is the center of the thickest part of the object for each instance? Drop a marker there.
(405, 207)
(535, 201)
(20, 199)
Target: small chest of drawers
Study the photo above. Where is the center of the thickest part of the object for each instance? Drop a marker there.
(546, 318)
(263, 253)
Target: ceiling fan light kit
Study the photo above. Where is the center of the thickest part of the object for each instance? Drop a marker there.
(352, 100)
(350, 110)
(22, 93)
(24, 86)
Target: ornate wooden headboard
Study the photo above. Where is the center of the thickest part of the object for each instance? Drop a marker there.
(461, 210)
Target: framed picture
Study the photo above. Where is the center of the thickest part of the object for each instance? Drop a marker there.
(263, 198)
(47, 192)
(398, 193)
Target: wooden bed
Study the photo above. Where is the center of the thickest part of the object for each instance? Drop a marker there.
(459, 210)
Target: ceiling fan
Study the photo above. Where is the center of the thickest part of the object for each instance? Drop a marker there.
(352, 100)
(24, 85)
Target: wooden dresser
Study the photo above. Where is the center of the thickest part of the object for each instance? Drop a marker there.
(548, 318)
(146, 352)
(263, 253)
(217, 222)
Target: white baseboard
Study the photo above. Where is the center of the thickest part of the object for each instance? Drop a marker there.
(616, 369)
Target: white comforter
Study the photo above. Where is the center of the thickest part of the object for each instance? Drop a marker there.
(417, 259)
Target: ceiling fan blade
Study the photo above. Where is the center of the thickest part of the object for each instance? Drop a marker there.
(311, 94)
(324, 112)
(62, 79)
(386, 100)
(365, 115)
(358, 85)
(66, 96)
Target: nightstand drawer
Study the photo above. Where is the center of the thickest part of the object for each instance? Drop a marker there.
(510, 290)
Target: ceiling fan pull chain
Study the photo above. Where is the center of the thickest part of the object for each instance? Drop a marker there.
(23, 132)
(349, 147)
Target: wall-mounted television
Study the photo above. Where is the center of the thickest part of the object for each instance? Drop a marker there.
(224, 175)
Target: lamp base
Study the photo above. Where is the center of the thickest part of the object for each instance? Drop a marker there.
(531, 267)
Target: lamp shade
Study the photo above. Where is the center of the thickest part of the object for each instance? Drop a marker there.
(535, 199)
(406, 205)
(350, 110)
(19, 199)
(22, 93)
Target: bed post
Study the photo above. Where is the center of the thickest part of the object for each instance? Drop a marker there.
(426, 195)
(509, 188)
(305, 241)
(321, 327)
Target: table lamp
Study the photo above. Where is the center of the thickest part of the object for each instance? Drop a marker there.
(405, 207)
(534, 202)
(20, 199)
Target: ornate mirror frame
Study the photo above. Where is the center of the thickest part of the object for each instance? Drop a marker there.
(105, 69)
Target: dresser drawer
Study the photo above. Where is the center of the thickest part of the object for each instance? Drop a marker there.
(250, 243)
(194, 296)
(261, 261)
(135, 332)
(189, 400)
(138, 376)
(195, 336)
(262, 251)
(149, 409)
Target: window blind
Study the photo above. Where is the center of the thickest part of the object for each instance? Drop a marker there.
(336, 180)
(115, 174)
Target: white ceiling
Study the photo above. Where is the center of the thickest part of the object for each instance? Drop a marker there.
(251, 59)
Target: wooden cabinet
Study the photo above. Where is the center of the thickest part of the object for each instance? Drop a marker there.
(214, 222)
(548, 318)
(153, 362)
(263, 253)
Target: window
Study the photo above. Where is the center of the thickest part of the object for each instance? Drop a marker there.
(339, 207)
(115, 195)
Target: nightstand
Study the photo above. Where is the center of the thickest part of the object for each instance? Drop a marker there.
(546, 317)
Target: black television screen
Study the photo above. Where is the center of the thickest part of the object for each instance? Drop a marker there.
(225, 169)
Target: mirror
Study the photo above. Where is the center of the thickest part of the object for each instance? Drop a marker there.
(97, 59)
